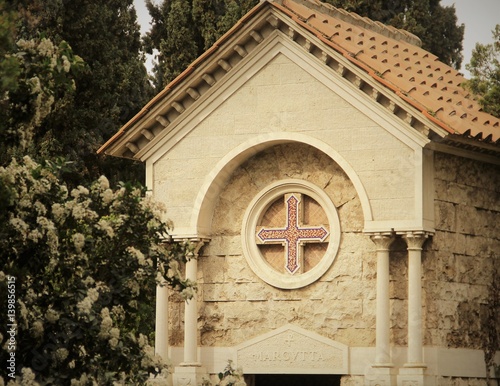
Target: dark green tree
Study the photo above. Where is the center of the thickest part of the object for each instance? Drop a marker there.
(484, 68)
(183, 29)
(113, 88)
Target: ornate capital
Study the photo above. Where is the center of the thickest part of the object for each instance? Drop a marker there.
(415, 240)
(382, 240)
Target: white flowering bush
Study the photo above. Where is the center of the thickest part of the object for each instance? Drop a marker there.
(86, 262)
(229, 377)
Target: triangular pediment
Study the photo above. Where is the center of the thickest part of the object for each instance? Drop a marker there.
(174, 116)
(395, 94)
(292, 350)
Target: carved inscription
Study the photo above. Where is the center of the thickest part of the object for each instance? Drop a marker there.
(292, 350)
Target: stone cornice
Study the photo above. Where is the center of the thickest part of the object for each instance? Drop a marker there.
(160, 117)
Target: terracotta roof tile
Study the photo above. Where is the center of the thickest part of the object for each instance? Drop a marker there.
(394, 59)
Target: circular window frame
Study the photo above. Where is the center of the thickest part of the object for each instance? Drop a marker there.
(253, 215)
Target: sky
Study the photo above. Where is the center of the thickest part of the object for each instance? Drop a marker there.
(479, 17)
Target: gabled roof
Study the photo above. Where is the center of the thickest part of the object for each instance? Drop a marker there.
(383, 62)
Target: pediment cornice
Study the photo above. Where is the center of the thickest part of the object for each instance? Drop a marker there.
(180, 99)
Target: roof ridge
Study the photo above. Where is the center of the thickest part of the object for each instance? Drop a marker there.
(361, 21)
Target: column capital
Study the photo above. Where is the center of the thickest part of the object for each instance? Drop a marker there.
(382, 240)
(415, 239)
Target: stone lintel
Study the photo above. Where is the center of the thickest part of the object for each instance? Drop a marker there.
(292, 350)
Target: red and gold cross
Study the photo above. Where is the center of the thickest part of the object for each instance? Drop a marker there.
(292, 236)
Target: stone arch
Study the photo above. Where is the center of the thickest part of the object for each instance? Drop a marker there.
(215, 181)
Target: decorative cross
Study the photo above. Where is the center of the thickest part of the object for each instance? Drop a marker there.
(293, 235)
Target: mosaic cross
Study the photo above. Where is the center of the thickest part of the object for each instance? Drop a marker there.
(292, 236)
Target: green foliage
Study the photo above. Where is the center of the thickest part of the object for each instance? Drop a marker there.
(183, 29)
(111, 90)
(36, 77)
(86, 263)
(434, 24)
(484, 68)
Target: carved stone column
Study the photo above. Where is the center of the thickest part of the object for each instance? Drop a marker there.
(161, 322)
(190, 372)
(414, 367)
(382, 372)
(191, 319)
(383, 354)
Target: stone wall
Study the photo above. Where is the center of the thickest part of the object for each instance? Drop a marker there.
(235, 305)
(462, 260)
(282, 97)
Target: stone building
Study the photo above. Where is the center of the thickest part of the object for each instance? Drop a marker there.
(343, 193)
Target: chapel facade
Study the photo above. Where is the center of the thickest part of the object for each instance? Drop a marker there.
(343, 193)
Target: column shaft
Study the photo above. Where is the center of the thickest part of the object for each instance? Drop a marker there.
(191, 319)
(414, 307)
(415, 338)
(161, 322)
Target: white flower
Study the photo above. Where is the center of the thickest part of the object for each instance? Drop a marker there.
(28, 377)
(188, 293)
(105, 226)
(135, 288)
(103, 183)
(83, 381)
(63, 190)
(114, 333)
(52, 315)
(143, 340)
(61, 354)
(113, 342)
(93, 294)
(138, 255)
(79, 191)
(82, 351)
(66, 63)
(40, 208)
(20, 226)
(46, 47)
(58, 212)
(37, 328)
(107, 196)
(106, 324)
(25, 44)
(36, 88)
(35, 235)
(78, 241)
(85, 306)
(79, 212)
(118, 312)
(88, 281)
